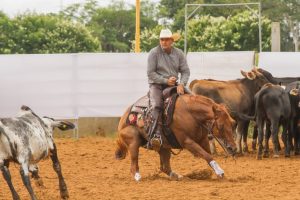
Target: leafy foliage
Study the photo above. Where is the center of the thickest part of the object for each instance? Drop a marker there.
(207, 33)
(90, 28)
(113, 25)
(32, 33)
(284, 11)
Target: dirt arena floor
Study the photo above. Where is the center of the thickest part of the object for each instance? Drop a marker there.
(91, 172)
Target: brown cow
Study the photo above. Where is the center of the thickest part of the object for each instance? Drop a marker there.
(237, 95)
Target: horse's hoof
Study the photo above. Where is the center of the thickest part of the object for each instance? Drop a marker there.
(276, 156)
(259, 157)
(254, 146)
(175, 177)
(39, 182)
(16, 197)
(287, 155)
(245, 149)
(221, 176)
(266, 155)
(137, 176)
(239, 154)
(65, 195)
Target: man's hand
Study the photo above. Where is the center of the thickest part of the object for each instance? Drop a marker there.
(180, 89)
(171, 81)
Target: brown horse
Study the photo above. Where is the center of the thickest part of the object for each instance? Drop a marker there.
(194, 118)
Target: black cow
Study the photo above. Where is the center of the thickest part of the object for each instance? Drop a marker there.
(278, 80)
(293, 90)
(283, 81)
(237, 95)
(272, 105)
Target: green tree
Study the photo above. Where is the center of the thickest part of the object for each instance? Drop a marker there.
(207, 33)
(284, 11)
(7, 28)
(33, 33)
(287, 13)
(149, 38)
(114, 25)
(239, 32)
(80, 12)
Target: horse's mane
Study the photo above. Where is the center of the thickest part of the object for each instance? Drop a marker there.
(203, 99)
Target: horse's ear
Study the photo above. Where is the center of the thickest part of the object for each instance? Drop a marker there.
(217, 111)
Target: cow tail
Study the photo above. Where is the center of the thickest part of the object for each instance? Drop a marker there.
(256, 107)
(121, 149)
(246, 117)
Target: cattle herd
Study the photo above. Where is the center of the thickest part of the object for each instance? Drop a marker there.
(272, 102)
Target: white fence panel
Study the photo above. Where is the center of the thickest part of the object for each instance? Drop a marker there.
(95, 85)
(219, 65)
(42, 82)
(281, 64)
(108, 83)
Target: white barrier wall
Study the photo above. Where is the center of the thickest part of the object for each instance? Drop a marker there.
(95, 85)
(281, 64)
(43, 82)
(219, 65)
(109, 83)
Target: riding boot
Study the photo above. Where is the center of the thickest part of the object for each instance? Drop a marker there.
(156, 140)
(155, 130)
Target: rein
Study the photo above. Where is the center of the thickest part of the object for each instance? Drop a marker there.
(210, 133)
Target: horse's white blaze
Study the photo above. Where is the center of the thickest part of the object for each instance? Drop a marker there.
(137, 176)
(218, 170)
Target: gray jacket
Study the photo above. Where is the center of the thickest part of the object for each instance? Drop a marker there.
(161, 66)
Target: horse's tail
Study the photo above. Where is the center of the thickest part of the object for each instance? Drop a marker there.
(121, 150)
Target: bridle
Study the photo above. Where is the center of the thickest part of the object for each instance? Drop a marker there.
(209, 128)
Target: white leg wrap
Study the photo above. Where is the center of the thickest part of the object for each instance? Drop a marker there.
(218, 170)
(137, 176)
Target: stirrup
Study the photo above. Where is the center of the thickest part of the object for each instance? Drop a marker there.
(156, 142)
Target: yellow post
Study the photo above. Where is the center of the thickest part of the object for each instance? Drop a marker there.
(137, 27)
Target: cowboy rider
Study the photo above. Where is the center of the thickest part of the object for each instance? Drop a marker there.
(165, 62)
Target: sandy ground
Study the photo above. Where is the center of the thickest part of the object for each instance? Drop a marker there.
(91, 172)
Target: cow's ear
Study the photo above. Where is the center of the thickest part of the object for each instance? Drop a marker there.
(244, 73)
(251, 75)
(256, 72)
(65, 125)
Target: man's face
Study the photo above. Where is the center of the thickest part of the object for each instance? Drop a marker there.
(166, 43)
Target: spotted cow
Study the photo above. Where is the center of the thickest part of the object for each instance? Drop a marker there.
(26, 139)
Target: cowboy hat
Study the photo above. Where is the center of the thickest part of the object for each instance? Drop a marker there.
(166, 33)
